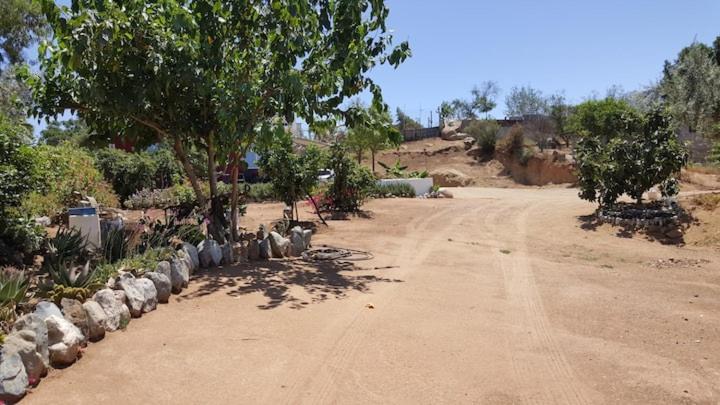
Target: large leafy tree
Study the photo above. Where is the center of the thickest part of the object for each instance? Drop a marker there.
(602, 119)
(691, 87)
(559, 112)
(21, 25)
(404, 121)
(641, 151)
(210, 74)
(525, 100)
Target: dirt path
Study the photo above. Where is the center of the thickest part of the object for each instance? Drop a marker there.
(497, 296)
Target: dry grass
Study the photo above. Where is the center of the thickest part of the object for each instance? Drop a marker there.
(709, 202)
(702, 169)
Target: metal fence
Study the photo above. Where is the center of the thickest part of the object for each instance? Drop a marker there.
(422, 133)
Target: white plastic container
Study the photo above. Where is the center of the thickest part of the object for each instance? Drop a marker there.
(86, 221)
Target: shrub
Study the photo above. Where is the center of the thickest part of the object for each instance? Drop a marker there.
(714, 156)
(261, 192)
(514, 142)
(352, 184)
(385, 190)
(20, 174)
(68, 170)
(631, 161)
(132, 172)
(13, 286)
(485, 134)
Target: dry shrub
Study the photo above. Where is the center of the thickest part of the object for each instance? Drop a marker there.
(708, 202)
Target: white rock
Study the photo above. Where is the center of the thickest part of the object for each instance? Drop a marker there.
(209, 253)
(37, 325)
(193, 253)
(64, 340)
(162, 285)
(134, 295)
(96, 319)
(279, 246)
(163, 268)
(307, 236)
(13, 378)
(24, 343)
(149, 292)
(179, 275)
(298, 241)
(124, 316)
(112, 307)
(44, 309)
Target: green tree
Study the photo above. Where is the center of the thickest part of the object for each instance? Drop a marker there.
(485, 133)
(211, 74)
(21, 25)
(404, 121)
(525, 100)
(691, 86)
(602, 119)
(642, 153)
(352, 183)
(483, 97)
(292, 175)
(559, 112)
(374, 132)
(57, 132)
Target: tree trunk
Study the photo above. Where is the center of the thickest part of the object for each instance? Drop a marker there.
(216, 227)
(190, 171)
(359, 156)
(234, 198)
(372, 154)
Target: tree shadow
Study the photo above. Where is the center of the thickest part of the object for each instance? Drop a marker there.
(662, 235)
(279, 281)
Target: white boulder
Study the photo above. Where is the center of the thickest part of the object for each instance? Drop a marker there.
(24, 343)
(162, 285)
(64, 340)
(96, 320)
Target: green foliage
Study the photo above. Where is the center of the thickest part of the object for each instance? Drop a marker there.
(352, 183)
(141, 263)
(396, 171)
(292, 175)
(690, 86)
(485, 133)
(161, 235)
(82, 294)
(404, 121)
(13, 287)
(386, 190)
(603, 119)
(21, 25)
(514, 142)
(560, 112)
(117, 244)
(19, 239)
(714, 156)
(482, 102)
(373, 131)
(132, 172)
(20, 172)
(216, 74)
(57, 132)
(260, 192)
(644, 153)
(68, 170)
(525, 100)
(67, 248)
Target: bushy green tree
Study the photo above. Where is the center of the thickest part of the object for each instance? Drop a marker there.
(525, 100)
(21, 25)
(292, 175)
(130, 172)
(373, 132)
(485, 133)
(560, 112)
(643, 152)
(20, 174)
(691, 87)
(352, 183)
(603, 119)
(214, 74)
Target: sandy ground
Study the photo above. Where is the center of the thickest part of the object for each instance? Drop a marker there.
(497, 296)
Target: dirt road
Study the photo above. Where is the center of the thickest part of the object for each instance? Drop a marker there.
(496, 296)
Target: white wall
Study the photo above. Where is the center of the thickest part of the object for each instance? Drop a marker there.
(421, 186)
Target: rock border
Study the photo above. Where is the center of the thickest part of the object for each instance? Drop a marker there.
(53, 337)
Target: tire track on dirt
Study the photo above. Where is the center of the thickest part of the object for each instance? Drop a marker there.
(523, 294)
(343, 348)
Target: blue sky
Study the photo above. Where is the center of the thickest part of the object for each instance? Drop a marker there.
(573, 46)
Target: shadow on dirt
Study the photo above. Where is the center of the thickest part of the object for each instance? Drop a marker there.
(293, 282)
(664, 235)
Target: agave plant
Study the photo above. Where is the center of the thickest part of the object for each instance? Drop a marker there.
(73, 276)
(117, 245)
(13, 287)
(66, 247)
